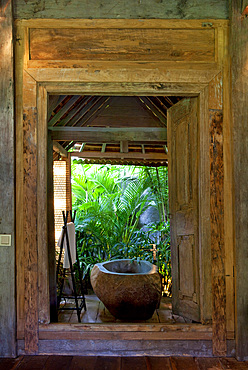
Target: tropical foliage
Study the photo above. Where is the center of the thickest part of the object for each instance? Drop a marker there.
(109, 201)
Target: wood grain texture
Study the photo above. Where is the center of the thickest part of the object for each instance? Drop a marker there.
(183, 363)
(129, 9)
(217, 232)
(7, 226)
(126, 88)
(123, 72)
(123, 44)
(19, 53)
(208, 363)
(122, 23)
(204, 209)
(120, 347)
(239, 55)
(228, 184)
(30, 230)
(43, 276)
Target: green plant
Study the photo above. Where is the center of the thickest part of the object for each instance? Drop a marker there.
(109, 201)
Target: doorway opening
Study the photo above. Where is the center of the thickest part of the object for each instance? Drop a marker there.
(113, 130)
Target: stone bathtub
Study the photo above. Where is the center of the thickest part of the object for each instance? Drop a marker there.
(130, 290)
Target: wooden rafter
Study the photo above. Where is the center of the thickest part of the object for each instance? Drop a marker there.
(154, 109)
(94, 111)
(53, 121)
(72, 111)
(54, 101)
(79, 111)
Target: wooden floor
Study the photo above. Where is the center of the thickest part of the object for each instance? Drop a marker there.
(120, 363)
(97, 313)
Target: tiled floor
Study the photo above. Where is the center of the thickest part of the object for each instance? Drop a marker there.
(97, 313)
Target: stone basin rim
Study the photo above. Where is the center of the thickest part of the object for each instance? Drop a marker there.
(150, 268)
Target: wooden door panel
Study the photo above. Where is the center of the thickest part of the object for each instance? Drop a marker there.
(183, 192)
(182, 163)
(185, 222)
(186, 261)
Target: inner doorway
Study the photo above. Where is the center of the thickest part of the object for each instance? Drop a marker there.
(94, 117)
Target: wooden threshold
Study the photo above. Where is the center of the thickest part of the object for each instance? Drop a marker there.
(126, 340)
(125, 332)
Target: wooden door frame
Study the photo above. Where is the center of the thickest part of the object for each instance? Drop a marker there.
(34, 81)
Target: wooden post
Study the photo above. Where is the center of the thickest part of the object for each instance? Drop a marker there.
(217, 217)
(239, 57)
(7, 254)
(30, 231)
(51, 235)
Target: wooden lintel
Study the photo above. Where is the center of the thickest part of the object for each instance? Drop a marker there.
(116, 155)
(59, 149)
(108, 135)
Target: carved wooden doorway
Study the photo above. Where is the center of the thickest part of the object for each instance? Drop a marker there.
(194, 69)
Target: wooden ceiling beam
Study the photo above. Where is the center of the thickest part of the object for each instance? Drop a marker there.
(108, 135)
(117, 155)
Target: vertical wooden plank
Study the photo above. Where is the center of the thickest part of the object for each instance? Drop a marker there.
(19, 53)
(239, 57)
(21, 79)
(43, 278)
(204, 209)
(30, 247)
(51, 232)
(228, 183)
(30, 230)
(217, 217)
(7, 254)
